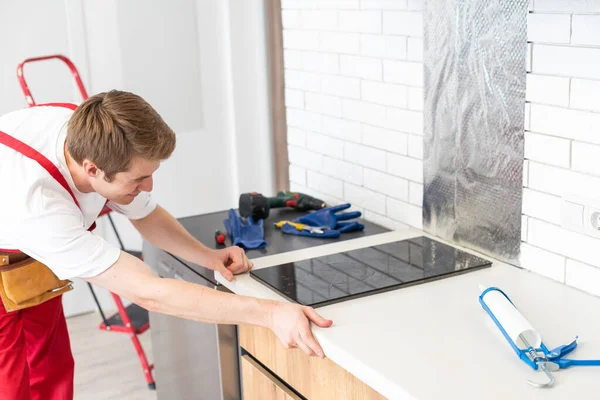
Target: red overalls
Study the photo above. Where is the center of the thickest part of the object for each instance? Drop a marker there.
(36, 362)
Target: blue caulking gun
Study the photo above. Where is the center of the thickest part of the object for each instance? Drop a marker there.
(524, 340)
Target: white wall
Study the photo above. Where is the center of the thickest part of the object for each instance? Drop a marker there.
(18, 29)
(562, 140)
(354, 98)
(190, 59)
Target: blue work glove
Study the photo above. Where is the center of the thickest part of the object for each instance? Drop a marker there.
(330, 218)
(249, 236)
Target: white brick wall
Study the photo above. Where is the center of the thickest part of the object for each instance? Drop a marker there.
(354, 98)
(562, 139)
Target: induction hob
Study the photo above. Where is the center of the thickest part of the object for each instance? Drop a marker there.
(326, 280)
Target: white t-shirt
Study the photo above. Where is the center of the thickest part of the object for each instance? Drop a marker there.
(37, 215)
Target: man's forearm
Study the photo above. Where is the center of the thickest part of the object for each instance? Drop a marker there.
(131, 278)
(162, 230)
(190, 301)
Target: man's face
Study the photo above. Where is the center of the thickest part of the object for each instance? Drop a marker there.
(127, 185)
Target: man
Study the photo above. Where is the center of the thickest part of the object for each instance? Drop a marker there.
(59, 166)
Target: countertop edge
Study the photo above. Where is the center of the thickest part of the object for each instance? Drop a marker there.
(338, 355)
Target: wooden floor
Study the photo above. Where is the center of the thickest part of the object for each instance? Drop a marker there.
(106, 364)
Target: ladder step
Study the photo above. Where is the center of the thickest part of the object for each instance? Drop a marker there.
(138, 316)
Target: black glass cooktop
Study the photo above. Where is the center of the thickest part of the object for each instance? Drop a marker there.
(338, 277)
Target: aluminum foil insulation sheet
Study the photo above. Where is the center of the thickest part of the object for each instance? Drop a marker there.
(475, 54)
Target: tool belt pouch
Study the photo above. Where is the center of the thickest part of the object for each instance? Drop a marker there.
(28, 283)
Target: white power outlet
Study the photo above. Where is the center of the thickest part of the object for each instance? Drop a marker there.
(581, 215)
(594, 217)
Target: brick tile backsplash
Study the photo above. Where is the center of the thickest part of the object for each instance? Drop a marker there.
(362, 111)
(341, 128)
(584, 94)
(384, 221)
(325, 145)
(415, 146)
(586, 30)
(548, 90)
(560, 181)
(403, 72)
(297, 175)
(354, 97)
(543, 262)
(568, 123)
(415, 194)
(405, 213)
(365, 156)
(542, 206)
(406, 23)
(341, 86)
(385, 139)
(415, 49)
(323, 104)
(325, 184)
(567, 7)
(583, 276)
(548, 149)
(549, 28)
(362, 21)
(405, 167)
(364, 198)
(572, 61)
(349, 172)
(361, 67)
(384, 4)
(392, 186)
(586, 158)
(382, 46)
(294, 98)
(385, 93)
(339, 42)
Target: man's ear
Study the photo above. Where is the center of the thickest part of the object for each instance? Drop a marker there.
(90, 168)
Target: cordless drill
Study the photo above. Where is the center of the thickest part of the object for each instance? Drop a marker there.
(258, 206)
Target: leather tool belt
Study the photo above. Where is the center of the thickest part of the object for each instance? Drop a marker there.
(26, 282)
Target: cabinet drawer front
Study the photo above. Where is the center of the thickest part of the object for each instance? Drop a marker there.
(312, 377)
(260, 384)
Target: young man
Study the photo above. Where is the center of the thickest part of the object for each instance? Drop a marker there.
(59, 166)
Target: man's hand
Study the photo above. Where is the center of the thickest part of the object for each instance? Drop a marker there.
(291, 324)
(165, 232)
(229, 261)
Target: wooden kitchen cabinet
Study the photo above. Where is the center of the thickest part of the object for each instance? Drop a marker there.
(312, 377)
(259, 384)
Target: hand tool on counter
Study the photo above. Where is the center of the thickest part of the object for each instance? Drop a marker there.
(257, 206)
(525, 340)
(250, 235)
(330, 221)
(317, 230)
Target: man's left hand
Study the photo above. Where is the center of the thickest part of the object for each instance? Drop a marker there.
(229, 261)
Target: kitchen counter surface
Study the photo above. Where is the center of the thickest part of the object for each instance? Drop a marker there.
(203, 228)
(434, 341)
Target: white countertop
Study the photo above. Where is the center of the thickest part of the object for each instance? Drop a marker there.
(434, 341)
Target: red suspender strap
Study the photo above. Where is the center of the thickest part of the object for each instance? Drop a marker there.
(35, 155)
(64, 105)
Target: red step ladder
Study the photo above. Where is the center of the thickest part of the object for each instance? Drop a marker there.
(133, 319)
